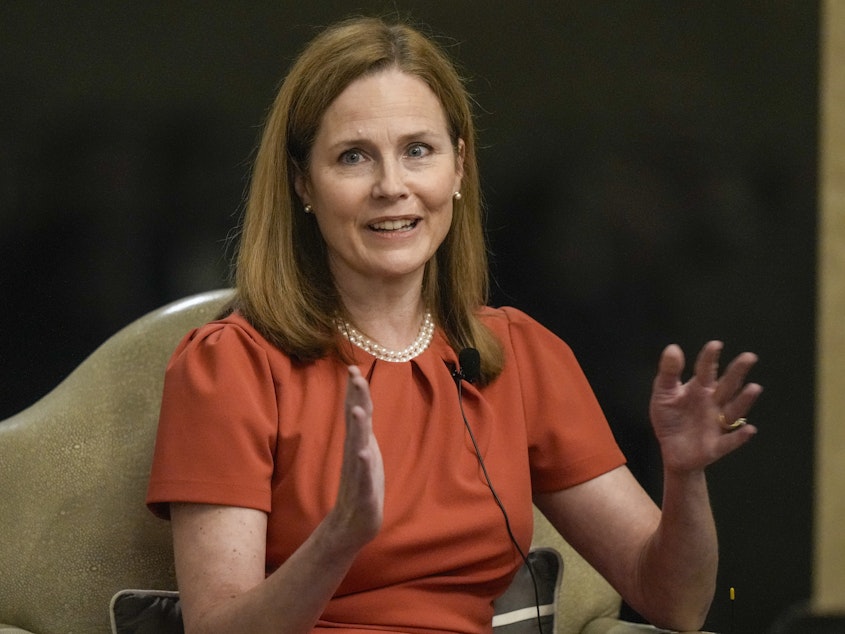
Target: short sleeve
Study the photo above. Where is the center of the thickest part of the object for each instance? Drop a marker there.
(218, 424)
(569, 438)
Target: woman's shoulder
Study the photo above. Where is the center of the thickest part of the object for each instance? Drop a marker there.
(224, 330)
(509, 319)
(227, 337)
(516, 329)
(503, 315)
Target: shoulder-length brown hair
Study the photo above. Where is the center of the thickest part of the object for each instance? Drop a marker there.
(283, 280)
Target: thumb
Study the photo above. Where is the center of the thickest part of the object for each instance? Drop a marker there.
(669, 368)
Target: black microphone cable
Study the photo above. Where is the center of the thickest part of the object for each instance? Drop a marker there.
(469, 356)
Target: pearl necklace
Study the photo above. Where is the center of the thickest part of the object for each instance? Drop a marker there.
(419, 345)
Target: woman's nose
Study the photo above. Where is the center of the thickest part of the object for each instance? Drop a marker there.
(390, 180)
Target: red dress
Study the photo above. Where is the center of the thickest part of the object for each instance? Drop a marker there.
(244, 425)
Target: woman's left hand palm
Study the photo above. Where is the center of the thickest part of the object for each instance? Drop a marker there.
(688, 417)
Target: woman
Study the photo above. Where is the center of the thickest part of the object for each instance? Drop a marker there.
(319, 477)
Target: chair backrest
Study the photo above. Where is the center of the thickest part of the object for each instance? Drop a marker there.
(584, 595)
(73, 475)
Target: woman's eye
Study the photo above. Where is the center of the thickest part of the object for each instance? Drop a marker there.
(351, 157)
(418, 150)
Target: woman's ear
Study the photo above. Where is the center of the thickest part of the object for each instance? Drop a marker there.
(300, 185)
(460, 151)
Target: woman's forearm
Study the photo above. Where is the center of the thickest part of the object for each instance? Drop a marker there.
(677, 571)
(289, 600)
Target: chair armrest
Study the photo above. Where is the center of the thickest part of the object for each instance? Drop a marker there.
(11, 629)
(607, 625)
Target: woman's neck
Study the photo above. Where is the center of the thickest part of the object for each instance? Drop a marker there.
(388, 315)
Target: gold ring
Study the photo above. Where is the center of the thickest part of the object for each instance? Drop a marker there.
(724, 424)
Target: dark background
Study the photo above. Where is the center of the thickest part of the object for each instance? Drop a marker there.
(649, 170)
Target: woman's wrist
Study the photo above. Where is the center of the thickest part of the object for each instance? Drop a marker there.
(338, 537)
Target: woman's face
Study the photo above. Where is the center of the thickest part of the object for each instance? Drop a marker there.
(381, 178)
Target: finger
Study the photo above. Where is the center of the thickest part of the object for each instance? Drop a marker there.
(352, 372)
(707, 363)
(734, 440)
(669, 368)
(358, 390)
(734, 376)
(358, 409)
(742, 402)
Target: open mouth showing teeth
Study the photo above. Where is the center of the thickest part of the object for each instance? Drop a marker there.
(394, 225)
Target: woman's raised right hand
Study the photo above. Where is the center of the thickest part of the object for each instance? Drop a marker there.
(359, 509)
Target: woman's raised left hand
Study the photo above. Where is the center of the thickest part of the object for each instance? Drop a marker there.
(691, 420)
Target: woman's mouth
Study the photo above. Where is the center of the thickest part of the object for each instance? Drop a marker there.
(394, 225)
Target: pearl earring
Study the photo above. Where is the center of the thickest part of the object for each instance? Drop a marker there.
(457, 196)
(308, 209)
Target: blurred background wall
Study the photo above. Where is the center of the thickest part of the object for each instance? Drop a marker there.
(649, 170)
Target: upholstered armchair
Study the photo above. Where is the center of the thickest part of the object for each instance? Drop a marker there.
(74, 530)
